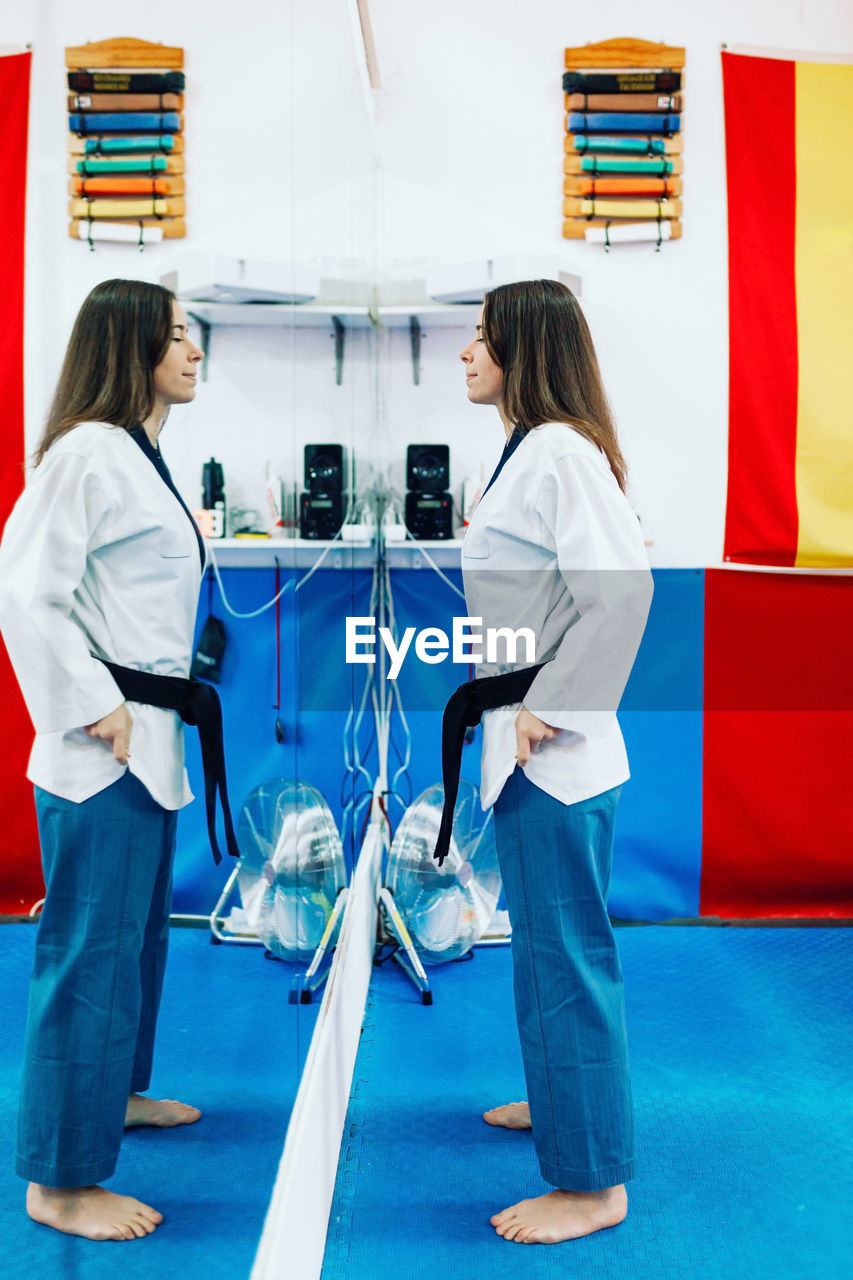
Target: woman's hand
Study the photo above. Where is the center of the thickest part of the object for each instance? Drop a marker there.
(115, 729)
(529, 732)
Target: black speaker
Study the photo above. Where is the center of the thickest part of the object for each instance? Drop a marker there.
(320, 515)
(428, 468)
(324, 469)
(429, 515)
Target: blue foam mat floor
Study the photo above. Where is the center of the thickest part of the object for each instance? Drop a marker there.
(740, 1047)
(229, 1041)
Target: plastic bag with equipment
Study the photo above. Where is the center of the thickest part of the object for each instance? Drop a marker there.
(445, 910)
(291, 866)
(207, 659)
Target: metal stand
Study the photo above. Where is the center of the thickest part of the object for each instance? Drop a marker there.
(408, 958)
(318, 970)
(217, 933)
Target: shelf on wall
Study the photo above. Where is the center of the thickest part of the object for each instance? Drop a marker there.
(439, 315)
(280, 315)
(302, 553)
(446, 553)
(430, 315)
(285, 315)
(291, 553)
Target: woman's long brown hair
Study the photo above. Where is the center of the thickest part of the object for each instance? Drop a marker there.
(121, 334)
(536, 331)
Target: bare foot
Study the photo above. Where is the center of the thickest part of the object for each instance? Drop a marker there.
(164, 1113)
(92, 1212)
(561, 1215)
(513, 1115)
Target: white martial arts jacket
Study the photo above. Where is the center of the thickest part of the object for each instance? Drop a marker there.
(554, 546)
(98, 558)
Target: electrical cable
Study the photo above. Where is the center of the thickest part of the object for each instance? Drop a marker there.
(406, 756)
(352, 727)
(434, 566)
(290, 585)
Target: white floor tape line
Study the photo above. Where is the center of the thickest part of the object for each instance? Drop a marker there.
(294, 1235)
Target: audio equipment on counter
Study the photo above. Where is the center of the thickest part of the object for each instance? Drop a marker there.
(429, 506)
(212, 516)
(320, 515)
(324, 468)
(428, 467)
(429, 515)
(321, 507)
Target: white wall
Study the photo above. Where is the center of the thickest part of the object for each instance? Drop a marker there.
(470, 129)
(468, 136)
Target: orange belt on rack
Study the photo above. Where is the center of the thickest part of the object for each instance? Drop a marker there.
(121, 186)
(624, 187)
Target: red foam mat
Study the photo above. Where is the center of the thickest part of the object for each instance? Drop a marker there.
(778, 741)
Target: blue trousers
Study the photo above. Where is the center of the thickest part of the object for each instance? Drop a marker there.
(100, 956)
(555, 862)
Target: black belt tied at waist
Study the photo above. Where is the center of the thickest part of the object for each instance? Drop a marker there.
(196, 703)
(465, 707)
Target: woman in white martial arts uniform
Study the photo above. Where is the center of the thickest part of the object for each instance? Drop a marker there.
(554, 546)
(100, 559)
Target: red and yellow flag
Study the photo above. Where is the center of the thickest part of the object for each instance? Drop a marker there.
(789, 155)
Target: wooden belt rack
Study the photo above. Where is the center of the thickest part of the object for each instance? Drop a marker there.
(631, 194)
(126, 185)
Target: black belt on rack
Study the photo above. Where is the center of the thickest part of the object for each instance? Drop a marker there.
(465, 707)
(196, 703)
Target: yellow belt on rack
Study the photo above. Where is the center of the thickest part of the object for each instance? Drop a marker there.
(117, 208)
(625, 208)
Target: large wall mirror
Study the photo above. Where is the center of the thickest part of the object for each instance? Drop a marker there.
(276, 276)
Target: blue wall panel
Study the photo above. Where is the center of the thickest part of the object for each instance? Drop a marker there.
(658, 854)
(313, 750)
(658, 858)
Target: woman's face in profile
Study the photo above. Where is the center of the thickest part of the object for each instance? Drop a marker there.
(484, 378)
(175, 375)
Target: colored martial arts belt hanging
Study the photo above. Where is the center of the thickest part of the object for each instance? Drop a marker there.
(109, 146)
(619, 208)
(628, 122)
(121, 186)
(132, 122)
(142, 164)
(465, 707)
(134, 231)
(89, 102)
(616, 102)
(615, 187)
(196, 703)
(635, 146)
(126, 81)
(654, 232)
(596, 165)
(620, 82)
(154, 208)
